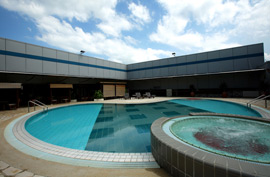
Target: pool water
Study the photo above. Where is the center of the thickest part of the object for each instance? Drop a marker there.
(218, 107)
(126, 128)
(67, 126)
(233, 137)
(113, 127)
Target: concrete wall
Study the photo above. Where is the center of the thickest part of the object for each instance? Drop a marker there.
(21, 57)
(227, 60)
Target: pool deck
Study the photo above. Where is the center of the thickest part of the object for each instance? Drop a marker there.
(25, 164)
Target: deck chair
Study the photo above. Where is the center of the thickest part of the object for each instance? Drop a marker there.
(138, 95)
(148, 95)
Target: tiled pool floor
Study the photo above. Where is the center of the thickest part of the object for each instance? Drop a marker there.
(126, 128)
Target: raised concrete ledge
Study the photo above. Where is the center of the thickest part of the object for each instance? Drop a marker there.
(181, 159)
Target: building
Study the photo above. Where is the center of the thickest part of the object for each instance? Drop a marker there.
(34, 72)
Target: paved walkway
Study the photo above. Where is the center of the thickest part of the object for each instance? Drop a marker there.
(18, 164)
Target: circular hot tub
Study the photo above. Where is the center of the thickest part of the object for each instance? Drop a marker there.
(212, 146)
(233, 137)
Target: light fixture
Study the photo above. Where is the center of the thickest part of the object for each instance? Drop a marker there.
(82, 51)
(173, 54)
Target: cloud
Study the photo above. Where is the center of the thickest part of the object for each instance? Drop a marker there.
(253, 20)
(61, 34)
(81, 10)
(130, 40)
(111, 23)
(209, 25)
(54, 18)
(267, 56)
(115, 25)
(140, 13)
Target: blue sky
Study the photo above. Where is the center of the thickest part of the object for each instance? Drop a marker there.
(133, 31)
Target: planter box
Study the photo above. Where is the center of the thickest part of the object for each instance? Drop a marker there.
(101, 99)
(73, 101)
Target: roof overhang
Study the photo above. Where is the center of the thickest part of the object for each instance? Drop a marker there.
(10, 85)
(61, 86)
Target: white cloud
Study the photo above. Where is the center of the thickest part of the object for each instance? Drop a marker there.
(130, 40)
(53, 17)
(208, 25)
(62, 34)
(115, 25)
(140, 13)
(267, 56)
(81, 10)
(253, 21)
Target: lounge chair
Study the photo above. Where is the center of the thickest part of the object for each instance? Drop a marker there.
(148, 95)
(138, 95)
(12, 106)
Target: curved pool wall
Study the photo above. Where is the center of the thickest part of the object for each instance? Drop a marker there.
(182, 159)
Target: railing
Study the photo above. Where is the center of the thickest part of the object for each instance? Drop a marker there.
(259, 98)
(37, 103)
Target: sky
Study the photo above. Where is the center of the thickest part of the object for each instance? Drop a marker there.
(131, 31)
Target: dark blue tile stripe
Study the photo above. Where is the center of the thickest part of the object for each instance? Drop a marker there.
(200, 62)
(15, 54)
(3, 52)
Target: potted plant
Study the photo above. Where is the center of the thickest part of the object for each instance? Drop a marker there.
(73, 96)
(223, 87)
(192, 90)
(98, 96)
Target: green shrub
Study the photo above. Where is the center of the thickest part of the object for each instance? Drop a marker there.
(98, 94)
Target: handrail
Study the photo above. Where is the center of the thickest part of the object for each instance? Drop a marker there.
(262, 97)
(38, 103)
(41, 103)
(259, 97)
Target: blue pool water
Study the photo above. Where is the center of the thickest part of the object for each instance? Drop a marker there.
(115, 127)
(218, 107)
(68, 126)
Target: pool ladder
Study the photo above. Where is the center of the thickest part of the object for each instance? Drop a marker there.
(259, 98)
(37, 103)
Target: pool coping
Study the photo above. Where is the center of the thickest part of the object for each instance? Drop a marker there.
(180, 158)
(27, 143)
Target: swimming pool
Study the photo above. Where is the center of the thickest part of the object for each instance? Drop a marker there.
(122, 128)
